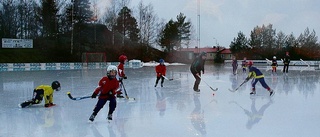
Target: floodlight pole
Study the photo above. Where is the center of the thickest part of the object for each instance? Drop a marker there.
(71, 44)
(198, 39)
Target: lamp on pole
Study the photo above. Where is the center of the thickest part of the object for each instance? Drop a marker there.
(216, 41)
(198, 25)
(198, 12)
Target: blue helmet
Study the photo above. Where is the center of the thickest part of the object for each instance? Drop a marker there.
(161, 61)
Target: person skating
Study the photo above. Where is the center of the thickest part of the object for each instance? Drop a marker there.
(286, 62)
(121, 74)
(161, 72)
(106, 90)
(258, 77)
(43, 91)
(234, 65)
(244, 65)
(274, 64)
(196, 67)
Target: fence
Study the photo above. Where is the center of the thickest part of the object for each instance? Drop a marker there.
(64, 66)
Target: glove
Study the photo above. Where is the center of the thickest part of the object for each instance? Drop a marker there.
(120, 79)
(247, 79)
(94, 95)
(110, 92)
(124, 77)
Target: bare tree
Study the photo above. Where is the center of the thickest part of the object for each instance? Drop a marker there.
(147, 21)
(9, 18)
(111, 15)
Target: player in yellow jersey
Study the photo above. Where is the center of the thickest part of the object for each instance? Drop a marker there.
(43, 91)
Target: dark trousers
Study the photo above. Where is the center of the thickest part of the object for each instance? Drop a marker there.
(197, 82)
(285, 68)
(234, 69)
(244, 69)
(158, 78)
(102, 102)
(37, 96)
(36, 99)
(262, 82)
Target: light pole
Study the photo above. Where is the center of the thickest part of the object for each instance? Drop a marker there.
(71, 44)
(216, 41)
(95, 22)
(198, 25)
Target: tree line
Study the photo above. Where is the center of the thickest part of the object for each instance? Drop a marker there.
(266, 42)
(72, 27)
(65, 29)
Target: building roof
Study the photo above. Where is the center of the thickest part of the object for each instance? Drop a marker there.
(226, 51)
(208, 50)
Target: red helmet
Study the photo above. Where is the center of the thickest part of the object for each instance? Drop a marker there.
(250, 63)
(123, 58)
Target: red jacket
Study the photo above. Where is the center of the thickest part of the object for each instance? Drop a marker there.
(161, 70)
(107, 88)
(121, 70)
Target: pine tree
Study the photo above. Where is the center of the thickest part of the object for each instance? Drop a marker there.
(127, 25)
(79, 12)
(175, 34)
(49, 17)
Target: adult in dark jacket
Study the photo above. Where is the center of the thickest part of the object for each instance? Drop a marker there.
(196, 67)
(286, 62)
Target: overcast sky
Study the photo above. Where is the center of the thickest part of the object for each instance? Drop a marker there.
(221, 20)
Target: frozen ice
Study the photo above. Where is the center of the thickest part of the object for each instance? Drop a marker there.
(174, 110)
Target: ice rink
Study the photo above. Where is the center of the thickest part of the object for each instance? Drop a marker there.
(174, 110)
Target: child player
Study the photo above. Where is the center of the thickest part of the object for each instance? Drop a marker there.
(244, 65)
(43, 91)
(106, 90)
(274, 64)
(121, 74)
(258, 77)
(161, 72)
(234, 65)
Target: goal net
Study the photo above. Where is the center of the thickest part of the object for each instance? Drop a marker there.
(94, 60)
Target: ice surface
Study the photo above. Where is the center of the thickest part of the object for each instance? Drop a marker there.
(174, 110)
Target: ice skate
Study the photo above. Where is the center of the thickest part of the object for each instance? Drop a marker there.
(120, 96)
(25, 104)
(92, 118)
(109, 117)
(198, 90)
(271, 92)
(253, 93)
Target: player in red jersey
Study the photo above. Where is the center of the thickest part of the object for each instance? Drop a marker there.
(106, 90)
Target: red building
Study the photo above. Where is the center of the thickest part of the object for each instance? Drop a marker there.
(188, 54)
